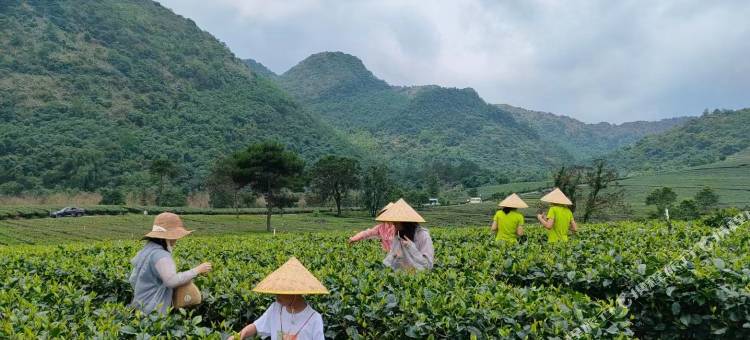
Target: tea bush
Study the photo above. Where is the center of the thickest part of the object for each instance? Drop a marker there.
(478, 288)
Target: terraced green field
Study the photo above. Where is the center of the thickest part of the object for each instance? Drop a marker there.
(133, 226)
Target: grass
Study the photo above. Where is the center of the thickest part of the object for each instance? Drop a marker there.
(133, 226)
(730, 179)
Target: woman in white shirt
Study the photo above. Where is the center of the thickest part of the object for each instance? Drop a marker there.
(289, 317)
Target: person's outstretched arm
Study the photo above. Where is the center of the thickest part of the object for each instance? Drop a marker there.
(573, 225)
(171, 278)
(365, 234)
(494, 226)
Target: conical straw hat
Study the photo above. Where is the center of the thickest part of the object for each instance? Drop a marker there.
(168, 226)
(557, 197)
(400, 212)
(513, 201)
(292, 278)
(390, 204)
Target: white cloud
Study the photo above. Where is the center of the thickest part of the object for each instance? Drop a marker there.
(607, 60)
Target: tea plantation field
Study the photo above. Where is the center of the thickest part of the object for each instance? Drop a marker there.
(133, 226)
(478, 288)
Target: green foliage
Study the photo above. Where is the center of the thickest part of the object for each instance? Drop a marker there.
(42, 211)
(587, 141)
(411, 128)
(687, 210)
(332, 177)
(600, 177)
(111, 196)
(92, 91)
(478, 287)
(163, 170)
(662, 198)
(703, 140)
(260, 69)
(377, 188)
(267, 169)
(460, 298)
(472, 192)
(706, 199)
(720, 217)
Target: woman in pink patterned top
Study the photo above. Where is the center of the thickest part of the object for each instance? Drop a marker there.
(384, 231)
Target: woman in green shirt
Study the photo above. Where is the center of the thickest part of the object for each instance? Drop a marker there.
(559, 217)
(508, 222)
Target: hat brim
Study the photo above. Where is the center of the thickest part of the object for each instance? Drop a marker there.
(556, 201)
(175, 234)
(511, 205)
(291, 292)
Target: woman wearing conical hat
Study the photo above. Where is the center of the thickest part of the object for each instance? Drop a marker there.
(411, 249)
(559, 217)
(154, 275)
(384, 231)
(289, 317)
(508, 222)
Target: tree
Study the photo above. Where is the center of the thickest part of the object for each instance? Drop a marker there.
(163, 169)
(222, 190)
(433, 185)
(662, 198)
(706, 199)
(568, 179)
(112, 196)
(598, 178)
(333, 177)
(267, 168)
(376, 187)
(687, 210)
(472, 192)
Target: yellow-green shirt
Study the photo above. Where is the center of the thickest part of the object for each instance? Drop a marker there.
(562, 217)
(507, 224)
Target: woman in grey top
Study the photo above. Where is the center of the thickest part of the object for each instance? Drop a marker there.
(154, 273)
(411, 249)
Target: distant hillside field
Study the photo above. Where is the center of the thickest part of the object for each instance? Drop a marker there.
(730, 179)
(704, 140)
(92, 91)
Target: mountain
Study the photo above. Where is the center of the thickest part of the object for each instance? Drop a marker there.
(585, 141)
(92, 91)
(703, 140)
(415, 129)
(260, 69)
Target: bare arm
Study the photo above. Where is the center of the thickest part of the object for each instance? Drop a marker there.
(494, 225)
(546, 223)
(573, 225)
(365, 234)
(519, 230)
(248, 331)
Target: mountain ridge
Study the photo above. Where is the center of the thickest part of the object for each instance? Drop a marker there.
(91, 92)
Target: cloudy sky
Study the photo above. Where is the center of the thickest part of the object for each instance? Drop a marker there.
(596, 61)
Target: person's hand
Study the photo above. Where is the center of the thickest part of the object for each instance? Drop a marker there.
(350, 241)
(406, 241)
(203, 268)
(539, 216)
